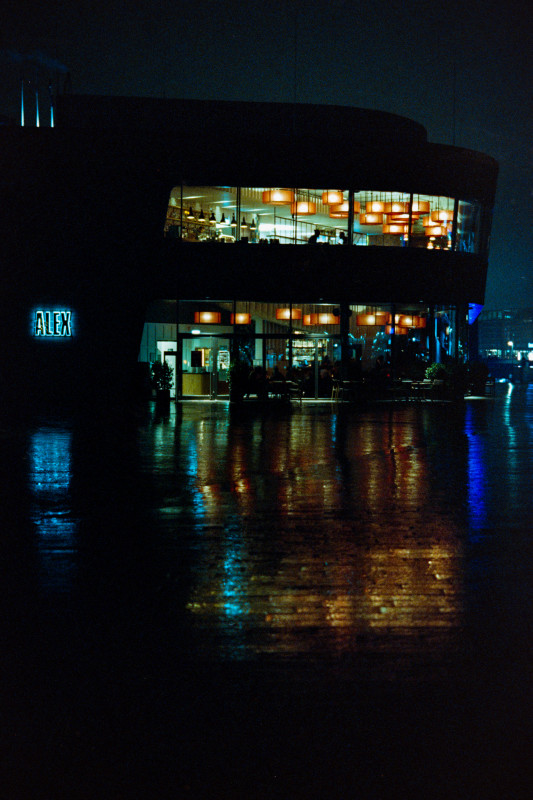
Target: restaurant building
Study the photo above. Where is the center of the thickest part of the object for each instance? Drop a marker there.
(198, 232)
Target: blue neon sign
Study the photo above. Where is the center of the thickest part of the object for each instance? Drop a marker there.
(54, 324)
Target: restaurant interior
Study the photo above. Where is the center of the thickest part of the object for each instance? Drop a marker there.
(301, 342)
(322, 216)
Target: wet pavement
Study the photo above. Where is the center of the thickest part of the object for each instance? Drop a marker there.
(318, 601)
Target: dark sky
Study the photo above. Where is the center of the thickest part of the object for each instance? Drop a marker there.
(398, 56)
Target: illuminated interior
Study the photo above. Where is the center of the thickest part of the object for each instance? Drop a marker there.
(300, 216)
(297, 347)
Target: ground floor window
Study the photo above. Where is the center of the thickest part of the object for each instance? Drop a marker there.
(312, 344)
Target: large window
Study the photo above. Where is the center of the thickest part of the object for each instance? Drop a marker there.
(293, 340)
(262, 215)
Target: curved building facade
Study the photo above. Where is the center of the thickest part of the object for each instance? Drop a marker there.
(142, 229)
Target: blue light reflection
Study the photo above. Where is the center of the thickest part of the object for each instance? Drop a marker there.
(49, 477)
(476, 485)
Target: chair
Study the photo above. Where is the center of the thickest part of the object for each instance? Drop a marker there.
(294, 390)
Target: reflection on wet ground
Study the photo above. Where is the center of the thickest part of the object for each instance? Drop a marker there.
(318, 601)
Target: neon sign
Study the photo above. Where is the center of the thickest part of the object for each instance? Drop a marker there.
(52, 323)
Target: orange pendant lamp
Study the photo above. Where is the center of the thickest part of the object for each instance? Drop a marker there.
(321, 318)
(278, 197)
(332, 196)
(420, 207)
(396, 207)
(207, 317)
(399, 210)
(396, 228)
(431, 228)
(376, 318)
(285, 313)
(406, 321)
(375, 207)
(303, 208)
(341, 210)
(370, 219)
(240, 318)
(442, 215)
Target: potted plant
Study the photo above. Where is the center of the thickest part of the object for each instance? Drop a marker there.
(454, 377)
(162, 383)
(437, 372)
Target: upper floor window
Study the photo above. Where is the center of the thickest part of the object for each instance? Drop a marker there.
(281, 215)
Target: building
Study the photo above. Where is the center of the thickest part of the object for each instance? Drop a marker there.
(505, 342)
(142, 229)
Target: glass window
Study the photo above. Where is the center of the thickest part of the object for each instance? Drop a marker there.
(280, 215)
(468, 227)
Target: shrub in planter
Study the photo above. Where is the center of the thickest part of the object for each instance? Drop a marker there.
(161, 375)
(437, 372)
(162, 383)
(455, 377)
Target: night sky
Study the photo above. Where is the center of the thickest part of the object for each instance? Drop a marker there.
(398, 56)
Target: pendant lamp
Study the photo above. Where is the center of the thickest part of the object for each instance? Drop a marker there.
(370, 219)
(406, 321)
(285, 313)
(207, 317)
(375, 207)
(436, 230)
(278, 197)
(395, 228)
(303, 208)
(332, 196)
(396, 207)
(340, 210)
(321, 318)
(442, 215)
(376, 318)
(241, 318)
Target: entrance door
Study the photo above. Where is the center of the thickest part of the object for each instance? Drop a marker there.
(170, 357)
(205, 366)
(167, 349)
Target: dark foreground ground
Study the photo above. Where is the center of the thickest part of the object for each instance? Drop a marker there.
(321, 602)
